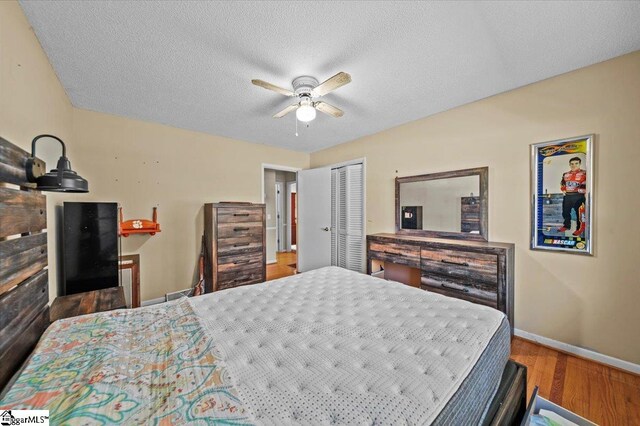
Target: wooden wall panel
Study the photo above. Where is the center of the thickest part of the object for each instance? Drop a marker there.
(24, 288)
(18, 350)
(12, 164)
(24, 315)
(21, 305)
(20, 258)
(21, 212)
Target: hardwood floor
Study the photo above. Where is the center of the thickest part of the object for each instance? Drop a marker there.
(283, 267)
(601, 394)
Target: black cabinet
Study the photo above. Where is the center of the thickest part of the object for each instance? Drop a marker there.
(89, 247)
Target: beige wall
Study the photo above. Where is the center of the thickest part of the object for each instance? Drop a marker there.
(139, 165)
(590, 302)
(32, 100)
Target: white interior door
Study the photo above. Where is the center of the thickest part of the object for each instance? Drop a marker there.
(314, 219)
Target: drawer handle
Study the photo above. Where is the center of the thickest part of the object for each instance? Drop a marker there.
(460, 289)
(241, 214)
(389, 252)
(450, 262)
(241, 262)
(241, 244)
(240, 229)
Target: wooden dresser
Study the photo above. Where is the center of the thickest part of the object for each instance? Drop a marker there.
(235, 245)
(480, 272)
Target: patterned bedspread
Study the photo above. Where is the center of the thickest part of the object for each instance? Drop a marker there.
(153, 365)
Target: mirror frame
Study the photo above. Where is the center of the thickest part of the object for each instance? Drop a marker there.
(482, 173)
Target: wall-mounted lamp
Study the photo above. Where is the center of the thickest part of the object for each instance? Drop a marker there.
(60, 179)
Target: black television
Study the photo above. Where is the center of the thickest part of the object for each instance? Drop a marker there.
(89, 247)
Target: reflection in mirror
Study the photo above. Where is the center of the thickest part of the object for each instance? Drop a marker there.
(448, 205)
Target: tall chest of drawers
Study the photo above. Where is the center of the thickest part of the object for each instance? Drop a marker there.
(235, 245)
(480, 272)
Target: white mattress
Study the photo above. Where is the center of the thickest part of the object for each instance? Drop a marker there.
(333, 346)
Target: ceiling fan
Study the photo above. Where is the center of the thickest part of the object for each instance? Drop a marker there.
(306, 88)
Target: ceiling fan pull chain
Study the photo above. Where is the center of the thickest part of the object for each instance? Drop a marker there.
(296, 118)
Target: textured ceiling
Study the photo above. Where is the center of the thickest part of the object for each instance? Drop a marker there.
(190, 64)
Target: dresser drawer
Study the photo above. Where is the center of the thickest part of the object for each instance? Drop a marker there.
(242, 229)
(471, 266)
(245, 276)
(227, 246)
(460, 289)
(238, 262)
(403, 254)
(239, 215)
(237, 283)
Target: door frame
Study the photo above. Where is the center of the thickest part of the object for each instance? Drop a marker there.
(266, 166)
(288, 209)
(277, 167)
(280, 216)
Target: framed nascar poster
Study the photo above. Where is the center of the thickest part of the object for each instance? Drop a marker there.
(562, 194)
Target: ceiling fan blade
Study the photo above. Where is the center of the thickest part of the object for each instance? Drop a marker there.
(273, 87)
(286, 111)
(332, 84)
(328, 109)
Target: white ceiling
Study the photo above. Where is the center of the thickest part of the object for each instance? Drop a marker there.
(190, 64)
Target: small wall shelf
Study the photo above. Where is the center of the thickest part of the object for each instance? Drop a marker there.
(139, 226)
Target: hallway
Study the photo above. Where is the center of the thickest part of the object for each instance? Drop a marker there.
(284, 266)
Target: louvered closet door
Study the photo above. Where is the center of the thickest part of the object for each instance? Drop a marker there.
(347, 224)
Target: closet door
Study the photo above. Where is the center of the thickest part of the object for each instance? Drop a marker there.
(347, 224)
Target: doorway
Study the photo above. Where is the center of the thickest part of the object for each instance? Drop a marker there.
(279, 194)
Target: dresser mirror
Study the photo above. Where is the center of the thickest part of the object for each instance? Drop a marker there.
(444, 205)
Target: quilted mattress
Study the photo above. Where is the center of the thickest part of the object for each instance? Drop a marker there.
(332, 346)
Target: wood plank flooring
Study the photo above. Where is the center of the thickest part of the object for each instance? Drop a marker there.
(282, 268)
(602, 394)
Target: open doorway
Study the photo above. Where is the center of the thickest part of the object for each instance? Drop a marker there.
(279, 192)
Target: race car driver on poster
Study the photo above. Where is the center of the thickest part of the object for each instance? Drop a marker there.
(562, 194)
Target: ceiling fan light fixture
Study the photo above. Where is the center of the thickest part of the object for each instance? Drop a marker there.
(306, 88)
(306, 113)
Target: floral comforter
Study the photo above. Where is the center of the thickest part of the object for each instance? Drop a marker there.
(153, 365)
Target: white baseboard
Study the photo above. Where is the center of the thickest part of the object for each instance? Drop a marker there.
(585, 353)
(152, 301)
(271, 262)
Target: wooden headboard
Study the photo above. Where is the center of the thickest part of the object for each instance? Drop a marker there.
(24, 287)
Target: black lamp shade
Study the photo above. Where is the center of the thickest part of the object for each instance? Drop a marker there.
(60, 179)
